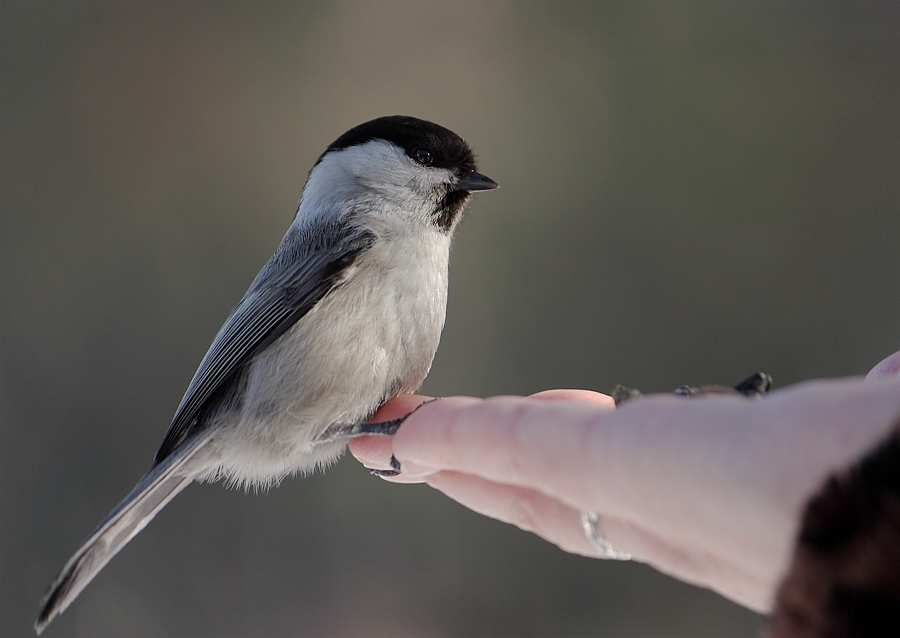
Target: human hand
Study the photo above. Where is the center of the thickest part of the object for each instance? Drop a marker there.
(887, 367)
(706, 489)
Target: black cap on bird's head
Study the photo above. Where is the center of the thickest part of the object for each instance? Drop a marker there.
(425, 142)
(429, 145)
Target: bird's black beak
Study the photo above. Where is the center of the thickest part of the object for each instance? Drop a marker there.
(476, 182)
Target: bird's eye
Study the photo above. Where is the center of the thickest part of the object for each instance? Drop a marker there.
(422, 156)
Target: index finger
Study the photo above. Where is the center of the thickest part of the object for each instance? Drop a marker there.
(652, 451)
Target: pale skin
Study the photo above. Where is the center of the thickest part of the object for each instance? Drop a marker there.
(707, 489)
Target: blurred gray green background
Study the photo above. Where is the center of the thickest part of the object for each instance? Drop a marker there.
(690, 192)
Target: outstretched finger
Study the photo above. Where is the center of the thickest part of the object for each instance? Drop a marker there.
(887, 367)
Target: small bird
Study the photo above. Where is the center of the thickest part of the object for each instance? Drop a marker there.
(346, 315)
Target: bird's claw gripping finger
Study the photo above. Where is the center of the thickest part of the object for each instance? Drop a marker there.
(394, 471)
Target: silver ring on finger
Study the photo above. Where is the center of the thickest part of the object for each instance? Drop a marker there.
(593, 530)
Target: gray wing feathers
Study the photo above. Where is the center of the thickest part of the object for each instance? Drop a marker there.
(304, 269)
(151, 494)
(309, 263)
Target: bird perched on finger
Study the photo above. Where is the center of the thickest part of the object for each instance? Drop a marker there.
(346, 315)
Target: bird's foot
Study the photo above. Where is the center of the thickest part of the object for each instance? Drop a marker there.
(394, 471)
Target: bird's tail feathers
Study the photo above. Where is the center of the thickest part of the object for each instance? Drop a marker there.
(153, 492)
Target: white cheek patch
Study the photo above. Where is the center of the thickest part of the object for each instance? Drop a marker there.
(377, 177)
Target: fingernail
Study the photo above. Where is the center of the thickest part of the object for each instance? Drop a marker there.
(414, 469)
